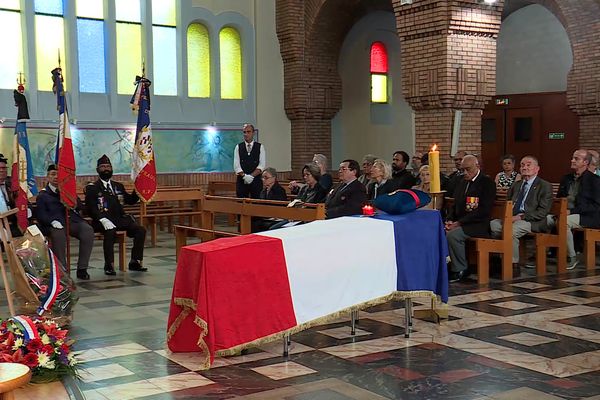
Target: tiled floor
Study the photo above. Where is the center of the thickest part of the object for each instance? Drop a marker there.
(534, 338)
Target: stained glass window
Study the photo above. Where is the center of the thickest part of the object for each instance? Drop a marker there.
(49, 42)
(12, 50)
(90, 42)
(163, 12)
(128, 10)
(129, 56)
(10, 4)
(90, 9)
(379, 73)
(165, 60)
(198, 61)
(54, 7)
(230, 54)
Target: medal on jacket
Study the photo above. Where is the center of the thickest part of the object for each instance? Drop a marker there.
(472, 203)
(102, 205)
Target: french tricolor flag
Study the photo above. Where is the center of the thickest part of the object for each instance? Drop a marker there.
(235, 292)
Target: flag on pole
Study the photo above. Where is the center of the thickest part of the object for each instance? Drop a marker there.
(67, 185)
(143, 169)
(23, 183)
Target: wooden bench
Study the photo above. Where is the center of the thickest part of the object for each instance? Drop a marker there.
(591, 237)
(182, 232)
(559, 239)
(149, 215)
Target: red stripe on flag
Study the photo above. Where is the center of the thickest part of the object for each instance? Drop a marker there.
(145, 181)
(216, 278)
(67, 184)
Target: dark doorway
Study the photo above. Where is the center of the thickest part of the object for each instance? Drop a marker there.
(538, 124)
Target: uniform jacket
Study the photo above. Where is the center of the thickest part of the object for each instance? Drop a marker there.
(347, 200)
(475, 219)
(49, 208)
(100, 203)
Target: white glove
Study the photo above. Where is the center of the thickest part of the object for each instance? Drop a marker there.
(107, 224)
(248, 179)
(56, 224)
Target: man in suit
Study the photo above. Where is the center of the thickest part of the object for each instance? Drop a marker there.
(349, 197)
(582, 190)
(532, 200)
(470, 217)
(402, 177)
(51, 216)
(104, 200)
(249, 161)
(454, 178)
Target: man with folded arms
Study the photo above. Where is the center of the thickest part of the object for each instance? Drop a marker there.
(104, 200)
(51, 216)
(532, 200)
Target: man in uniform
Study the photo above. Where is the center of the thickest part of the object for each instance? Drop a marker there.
(104, 200)
(249, 161)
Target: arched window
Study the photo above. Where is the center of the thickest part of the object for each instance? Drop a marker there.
(49, 41)
(379, 73)
(90, 46)
(129, 44)
(198, 61)
(230, 54)
(164, 47)
(10, 43)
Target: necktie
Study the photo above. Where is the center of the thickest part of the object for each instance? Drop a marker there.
(109, 188)
(3, 205)
(249, 147)
(520, 198)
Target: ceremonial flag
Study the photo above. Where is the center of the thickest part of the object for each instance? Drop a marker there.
(143, 168)
(67, 185)
(23, 183)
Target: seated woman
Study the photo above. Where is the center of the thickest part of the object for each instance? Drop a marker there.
(312, 192)
(425, 178)
(508, 175)
(325, 181)
(381, 173)
(272, 190)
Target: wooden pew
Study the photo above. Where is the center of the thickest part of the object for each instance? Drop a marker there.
(591, 237)
(149, 215)
(182, 232)
(559, 239)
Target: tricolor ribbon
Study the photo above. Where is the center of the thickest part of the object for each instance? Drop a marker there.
(26, 325)
(53, 284)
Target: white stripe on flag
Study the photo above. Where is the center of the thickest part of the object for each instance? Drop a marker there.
(338, 263)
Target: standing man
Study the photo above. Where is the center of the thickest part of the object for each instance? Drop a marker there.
(51, 217)
(7, 201)
(471, 214)
(402, 177)
(532, 200)
(582, 190)
(249, 160)
(104, 200)
(348, 197)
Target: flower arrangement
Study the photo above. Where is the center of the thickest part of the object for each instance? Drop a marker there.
(40, 344)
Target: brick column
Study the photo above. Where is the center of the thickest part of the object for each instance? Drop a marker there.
(448, 63)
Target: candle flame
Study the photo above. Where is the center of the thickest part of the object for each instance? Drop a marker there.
(434, 148)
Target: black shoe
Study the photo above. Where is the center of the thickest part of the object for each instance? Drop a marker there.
(457, 276)
(82, 274)
(109, 270)
(135, 265)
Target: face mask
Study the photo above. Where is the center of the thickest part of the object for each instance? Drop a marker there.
(105, 175)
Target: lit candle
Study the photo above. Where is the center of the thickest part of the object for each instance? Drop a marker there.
(368, 210)
(434, 170)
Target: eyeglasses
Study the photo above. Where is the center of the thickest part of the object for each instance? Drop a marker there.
(248, 131)
(265, 177)
(343, 169)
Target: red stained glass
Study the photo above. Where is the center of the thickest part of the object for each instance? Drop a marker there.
(379, 58)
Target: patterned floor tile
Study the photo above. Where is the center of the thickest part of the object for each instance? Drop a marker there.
(288, 369)
(514, 305)
(528, 339)
(529, 285)
(344, 332)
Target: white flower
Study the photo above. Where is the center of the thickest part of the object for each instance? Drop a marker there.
(44, 360)
(72, 359)
(45, 339)
(18, 343)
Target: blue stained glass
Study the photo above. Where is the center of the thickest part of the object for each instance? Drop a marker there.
(165, 61)
(90, 39)
(54, 7)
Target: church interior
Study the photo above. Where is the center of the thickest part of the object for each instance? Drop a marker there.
(341, 78)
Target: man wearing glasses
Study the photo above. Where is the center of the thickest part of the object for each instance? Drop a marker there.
(349, 197)
(249, 160)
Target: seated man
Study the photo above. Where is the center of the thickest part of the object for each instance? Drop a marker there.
(348, 197)
(51, 219)
(104, 200)
(582, 190)
(470, 217)
(403, 178)
(532, 200)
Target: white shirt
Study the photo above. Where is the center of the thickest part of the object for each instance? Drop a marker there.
(107, 185)
(237, 167)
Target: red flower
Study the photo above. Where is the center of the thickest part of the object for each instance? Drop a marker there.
(34, 345)
(17, 357)
(10, 339)
(48, 349)
(30, 360)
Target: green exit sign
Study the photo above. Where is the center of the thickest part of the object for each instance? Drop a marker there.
(556, 135)
(503, 101)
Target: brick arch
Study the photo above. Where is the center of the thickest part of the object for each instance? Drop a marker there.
(311, 33)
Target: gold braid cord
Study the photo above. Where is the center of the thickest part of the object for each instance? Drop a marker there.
(189, 306)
